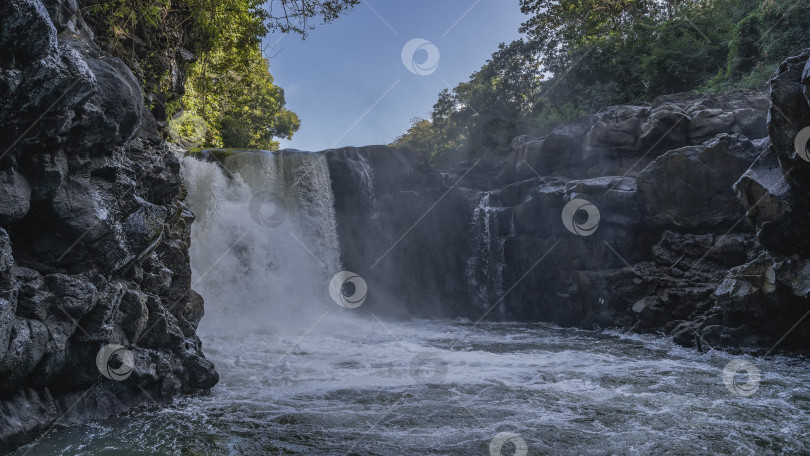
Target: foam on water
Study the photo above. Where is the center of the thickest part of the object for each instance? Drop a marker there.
(302, 375)
(346, 387)
(253, 273)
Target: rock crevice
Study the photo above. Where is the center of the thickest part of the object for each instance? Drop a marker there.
(690, 218)
(94, 233)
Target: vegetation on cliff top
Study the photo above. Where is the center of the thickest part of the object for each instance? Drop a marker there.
(229, 92)
(582, 55)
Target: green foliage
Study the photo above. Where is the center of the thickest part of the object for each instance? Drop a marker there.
(229, 85)
(231, 88)
(596, 53)
(483, 115)
(421, 137)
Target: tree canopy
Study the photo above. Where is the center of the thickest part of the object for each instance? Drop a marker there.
(581, 55)
(229, 90)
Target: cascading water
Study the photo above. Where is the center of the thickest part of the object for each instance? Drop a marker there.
(265, 237)
(300, 376)
(485, 266)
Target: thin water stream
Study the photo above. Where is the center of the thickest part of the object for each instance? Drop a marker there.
(301, 375)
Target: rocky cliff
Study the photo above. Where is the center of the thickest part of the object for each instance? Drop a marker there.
(685, 216)
(97, 314)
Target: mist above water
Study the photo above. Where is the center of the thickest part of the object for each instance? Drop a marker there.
(303, 375)
(354, 388)
(264, 243)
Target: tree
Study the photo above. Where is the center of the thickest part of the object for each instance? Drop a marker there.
(597, 53)
(229, 85)
(421, 137)
(296, 15)
(481, 116)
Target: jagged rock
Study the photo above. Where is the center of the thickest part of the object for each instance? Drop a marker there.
(15, 196)
(789, 114)
(675, 186)
(660, 180)
(26, 31)
(558, 153)
(774, 190)
(616, 132)
(761, 300)
(7, 292)
(622, 140)
(705, 124)
(94, 232)
(667, 127)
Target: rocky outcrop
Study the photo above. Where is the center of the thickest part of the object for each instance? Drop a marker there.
(767, 296)
(634, 217)
(623, 140)
(379, 194)
(94, 234)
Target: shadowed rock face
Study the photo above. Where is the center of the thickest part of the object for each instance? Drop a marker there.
(94, 233)
(769, 294)
(683, 245)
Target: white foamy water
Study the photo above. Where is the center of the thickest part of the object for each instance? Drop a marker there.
(301, 375)
(265, 237)
(346, 387)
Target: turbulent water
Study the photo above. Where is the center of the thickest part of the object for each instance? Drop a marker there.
(301, 375)
(348, 386)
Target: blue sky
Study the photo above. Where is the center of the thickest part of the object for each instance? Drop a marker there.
(347, 80)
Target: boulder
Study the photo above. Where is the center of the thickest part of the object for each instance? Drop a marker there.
(789, 114)
(773, 191)
(676, 185)
(15, 196)
(762, 300)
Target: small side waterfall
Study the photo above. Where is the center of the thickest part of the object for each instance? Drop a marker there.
(265, 242)
(485, 267)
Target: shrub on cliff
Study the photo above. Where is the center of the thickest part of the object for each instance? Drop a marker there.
(217, 44)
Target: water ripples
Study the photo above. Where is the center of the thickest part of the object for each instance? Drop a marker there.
(348, 388)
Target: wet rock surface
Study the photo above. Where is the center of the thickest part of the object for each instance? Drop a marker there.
(94, 233)
(687, 216)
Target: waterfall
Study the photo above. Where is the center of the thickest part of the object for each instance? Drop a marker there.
(485, 266)
(265, 239)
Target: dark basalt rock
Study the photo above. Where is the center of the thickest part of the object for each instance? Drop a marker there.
(622, 140)
(379, 194)
(672, 252)
(690, 187)
(94, 233)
